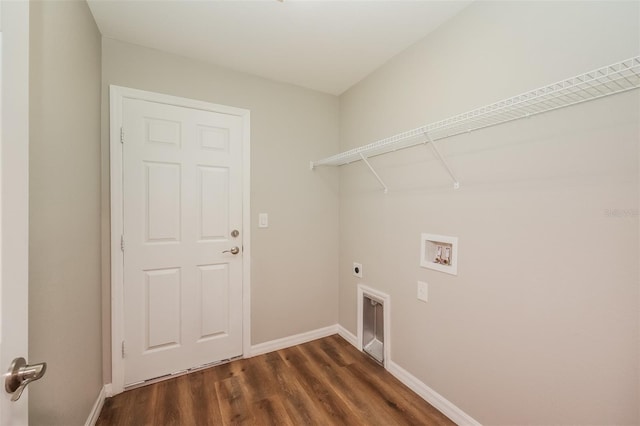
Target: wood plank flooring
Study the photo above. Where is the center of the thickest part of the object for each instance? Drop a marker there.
(324, 382)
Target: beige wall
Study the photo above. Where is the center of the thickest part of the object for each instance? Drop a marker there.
(541, 324)
(294, 261)
(64, 218)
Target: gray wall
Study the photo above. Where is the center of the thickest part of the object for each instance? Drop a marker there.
(541, 324)
(293, 262)
(64, 219)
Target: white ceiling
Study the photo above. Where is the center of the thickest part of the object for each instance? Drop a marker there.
(322, 45)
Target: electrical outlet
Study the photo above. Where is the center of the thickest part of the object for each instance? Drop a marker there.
(357, 270)
(423, 291)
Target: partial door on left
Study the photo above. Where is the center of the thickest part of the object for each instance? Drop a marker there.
(14, 213)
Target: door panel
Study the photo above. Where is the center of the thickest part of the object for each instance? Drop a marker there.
(163, 308)
(214, 286)
(162, 193)
(213, 188)
(182, 186)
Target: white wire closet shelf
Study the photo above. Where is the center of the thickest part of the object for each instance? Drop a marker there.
(615, 78)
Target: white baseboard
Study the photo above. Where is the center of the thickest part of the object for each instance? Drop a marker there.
(286, 342)
(432, 397)
(425, 392)
(97, 407)
(348, 336)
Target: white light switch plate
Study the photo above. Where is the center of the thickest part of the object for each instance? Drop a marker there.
(263, 220)
(423, 291)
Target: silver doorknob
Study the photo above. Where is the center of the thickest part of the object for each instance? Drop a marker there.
(20, 375)
(233, 250)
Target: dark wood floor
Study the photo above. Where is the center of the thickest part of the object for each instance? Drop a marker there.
(324, 382)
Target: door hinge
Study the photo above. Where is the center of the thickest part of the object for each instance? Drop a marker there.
(123, 349)
(121, 135)
(122, 242)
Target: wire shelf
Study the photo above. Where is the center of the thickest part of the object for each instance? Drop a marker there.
(615, 78)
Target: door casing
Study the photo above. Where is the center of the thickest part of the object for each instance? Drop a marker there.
(117, 95)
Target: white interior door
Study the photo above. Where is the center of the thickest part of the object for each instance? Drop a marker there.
(182, 204)
(14, 198)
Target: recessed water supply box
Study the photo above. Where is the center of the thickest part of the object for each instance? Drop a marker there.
(373, 327)
(439, 252)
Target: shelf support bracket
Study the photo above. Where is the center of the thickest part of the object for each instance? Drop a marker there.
(374, 173)
(436, 151)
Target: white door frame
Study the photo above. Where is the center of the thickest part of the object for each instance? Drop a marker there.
(117, 96)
